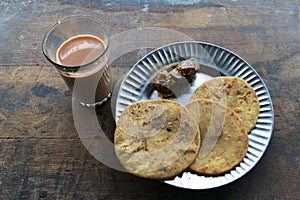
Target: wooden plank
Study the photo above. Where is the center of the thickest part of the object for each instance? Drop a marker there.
(42, 156)
(229, 26)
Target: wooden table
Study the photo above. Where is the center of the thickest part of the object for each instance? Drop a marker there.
(42, 156)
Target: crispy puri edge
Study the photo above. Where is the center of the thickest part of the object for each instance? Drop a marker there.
(256, 108)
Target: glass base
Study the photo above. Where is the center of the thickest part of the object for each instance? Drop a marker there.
(99, 103)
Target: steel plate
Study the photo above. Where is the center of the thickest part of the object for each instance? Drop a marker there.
(215, 61)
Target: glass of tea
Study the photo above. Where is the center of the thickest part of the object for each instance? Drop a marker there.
(78, 47)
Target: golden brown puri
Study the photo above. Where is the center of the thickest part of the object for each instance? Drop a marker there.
(224, 140)
(156, 139)
(233, 92)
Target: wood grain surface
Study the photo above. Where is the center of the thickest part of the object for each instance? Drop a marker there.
(41, 153)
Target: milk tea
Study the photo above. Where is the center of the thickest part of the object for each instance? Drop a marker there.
(92, 82)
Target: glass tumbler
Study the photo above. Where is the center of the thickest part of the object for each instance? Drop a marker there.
(78, 47)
